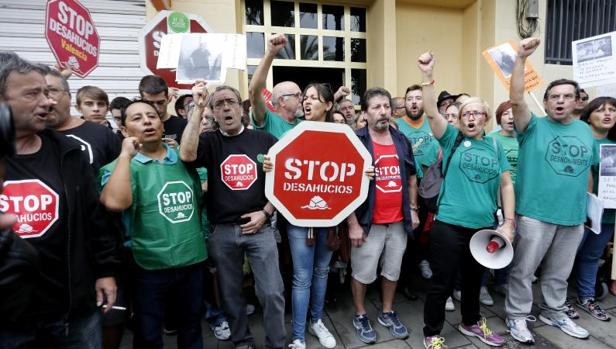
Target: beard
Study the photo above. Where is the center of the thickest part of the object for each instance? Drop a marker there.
(414, 116)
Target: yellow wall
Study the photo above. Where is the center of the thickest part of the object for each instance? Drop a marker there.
(381, 36)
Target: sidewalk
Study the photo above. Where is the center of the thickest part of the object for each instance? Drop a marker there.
(338, 320)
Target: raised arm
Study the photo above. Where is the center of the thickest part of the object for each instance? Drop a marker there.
(521, 113)
(438, 123)
(257, 84)
(117, 194)
(190, 137)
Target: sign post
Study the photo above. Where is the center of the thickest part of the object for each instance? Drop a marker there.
(318, 178)
(72, 36)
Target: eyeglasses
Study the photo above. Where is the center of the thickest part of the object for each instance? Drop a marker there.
(219, 104)
(567, 97)
(474, 113)
(297, 95)
(584, 98)
(54, 92)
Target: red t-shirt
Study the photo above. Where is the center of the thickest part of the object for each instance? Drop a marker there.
(388, 200)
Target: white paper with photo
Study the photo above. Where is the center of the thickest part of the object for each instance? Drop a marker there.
(606, 91)
(504, 56)
(594, 212)
(169, 52)
(201, 58)
(235, 51)
(594, 60)
(607, 176)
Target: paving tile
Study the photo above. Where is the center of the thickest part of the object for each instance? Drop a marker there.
(557, 338)
(603, 331)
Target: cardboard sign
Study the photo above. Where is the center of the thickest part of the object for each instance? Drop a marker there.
(501, 59)
(607, 176)
(72, 36)
(318, 178)
(238, 172)
(594, 61)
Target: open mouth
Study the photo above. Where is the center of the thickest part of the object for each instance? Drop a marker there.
(470, 126)
(559, 110)
(307, 110)
(150, 131)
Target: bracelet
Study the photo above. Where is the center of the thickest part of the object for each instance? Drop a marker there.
(423, 84)
(267, 215)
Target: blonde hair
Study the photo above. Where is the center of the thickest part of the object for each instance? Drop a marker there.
(475, 100)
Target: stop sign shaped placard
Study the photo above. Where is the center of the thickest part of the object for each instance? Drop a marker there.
(72, 36)
(318, 178)
(238, 172)
(34, 203)
(149, 44)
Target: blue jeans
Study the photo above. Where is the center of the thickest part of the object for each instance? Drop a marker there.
(310, 269)
(152, 291)
(587, 262)
(79, 332)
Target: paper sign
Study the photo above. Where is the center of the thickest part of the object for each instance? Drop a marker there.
(594, 61)
(169, 52)
(594, 212)
(607, 176)
(606, 91)
(501, 59)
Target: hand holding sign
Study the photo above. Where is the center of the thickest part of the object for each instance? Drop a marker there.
(200, 94)
(527, 47)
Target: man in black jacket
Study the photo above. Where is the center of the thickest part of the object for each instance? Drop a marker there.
(50, 188)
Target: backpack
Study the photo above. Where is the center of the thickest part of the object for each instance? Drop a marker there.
(430, 185)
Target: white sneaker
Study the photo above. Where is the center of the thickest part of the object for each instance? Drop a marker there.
(449, 306)
(457, 295)
(319, 330)
(484, 296)
(424, 267)
(297, 344)
(566, 325)
(519, 330)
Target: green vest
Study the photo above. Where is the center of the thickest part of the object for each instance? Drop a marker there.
(165, 225)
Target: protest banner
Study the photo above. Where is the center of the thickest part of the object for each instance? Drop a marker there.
(594, 62)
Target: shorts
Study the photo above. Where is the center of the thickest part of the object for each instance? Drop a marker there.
(385, 242)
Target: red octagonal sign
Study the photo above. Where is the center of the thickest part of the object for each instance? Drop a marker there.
(72, 36)
(238, 172)
(34, 203)
(318, 178)
(149, 45)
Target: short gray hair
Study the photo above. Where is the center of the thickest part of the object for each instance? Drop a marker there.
(222, 88)
(63, 80)
(19, 66)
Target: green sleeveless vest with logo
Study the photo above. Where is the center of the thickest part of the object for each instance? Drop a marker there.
(165, 223)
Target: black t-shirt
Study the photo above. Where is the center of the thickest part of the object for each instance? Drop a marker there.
(233, 189)
(174, 128)
(35, 193)
(98, 143)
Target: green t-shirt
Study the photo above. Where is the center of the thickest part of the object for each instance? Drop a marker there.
(510, 146)
(425, 146)
(274, 124)
(608, 214)
(470, 190)
(164, 224)
(553, 168)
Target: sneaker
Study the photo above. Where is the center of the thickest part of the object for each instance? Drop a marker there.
(325, 337)
(364, 329)
(590, 306)
(570, 311)
(483, 332)
(221, 330)
(391, 321)
(519, 330)
(484, 296)
(424, 267)
(434, 342)
(566, 325)
(457, 295)
(449, 306)
(297, 344)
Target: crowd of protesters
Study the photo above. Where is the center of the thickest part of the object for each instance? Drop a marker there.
(139, 231)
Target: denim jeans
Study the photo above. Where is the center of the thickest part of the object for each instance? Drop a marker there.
(310, 269)
(227, 247)
(79, 332)
(153, 290)
(587, 261)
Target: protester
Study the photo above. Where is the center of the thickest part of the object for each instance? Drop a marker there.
(467, 202)
(452, 113)
(581, 103)
(181, 105)
(77, 250)
(240, 218)
(360, 121)
(506, 136)
(600, 114)
(445, 99)
(347, 109)
(338, 117)
(398, 108)
(93, 104)
(555, 156)
(286, 95)
(115, 107)
(378, 229)
(154, 89)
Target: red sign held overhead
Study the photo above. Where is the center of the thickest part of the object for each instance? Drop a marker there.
(318, 178)
(238, 172)
(72, 36)
(34, 203)
(149, 44)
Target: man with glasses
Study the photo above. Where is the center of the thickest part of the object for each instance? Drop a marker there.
(98, 143)
(239, 212)
(286, 95)
(554, 159)
(154, 89)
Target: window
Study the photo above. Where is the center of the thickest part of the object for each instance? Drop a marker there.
(569, 20)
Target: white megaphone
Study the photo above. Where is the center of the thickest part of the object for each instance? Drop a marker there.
(491, 249)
